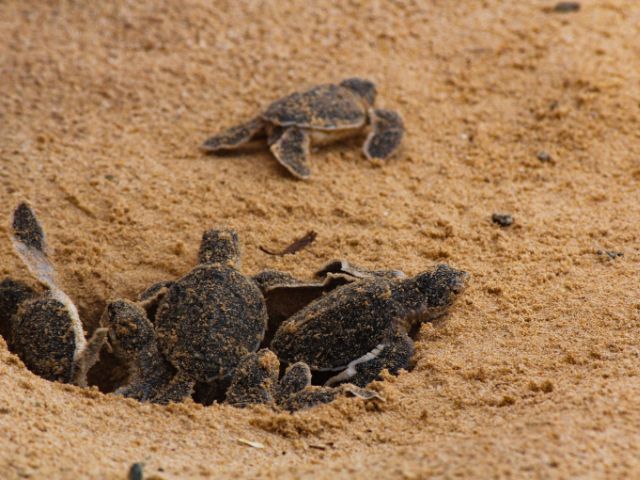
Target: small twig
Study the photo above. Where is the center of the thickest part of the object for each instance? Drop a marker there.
(296, 246)
(250, 443)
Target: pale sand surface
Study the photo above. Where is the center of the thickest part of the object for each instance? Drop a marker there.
(535, 372)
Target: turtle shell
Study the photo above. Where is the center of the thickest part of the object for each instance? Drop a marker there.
(209, 320)
(339, 327)
(44, 339)
(325, 107)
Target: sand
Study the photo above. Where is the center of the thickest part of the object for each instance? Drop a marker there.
(534, 373)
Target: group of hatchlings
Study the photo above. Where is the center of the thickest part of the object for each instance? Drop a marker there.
(266, 339)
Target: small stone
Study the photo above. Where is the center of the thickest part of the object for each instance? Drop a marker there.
(566, 7)
(543, 156)
(610, 253)
(136, 472)
(502, 219)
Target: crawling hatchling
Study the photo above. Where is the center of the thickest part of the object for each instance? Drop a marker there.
(285, 294)
(203, 325)
(45, 329)
(356, 330)
(323, 114)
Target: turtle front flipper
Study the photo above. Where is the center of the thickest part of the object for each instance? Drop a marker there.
(178, 389)
(234, 137)
(89, 356)
(254, 379)
(348, 271)
(394, 353)
(292, 151)
(386, 134)
(296, 378)
(30, 243)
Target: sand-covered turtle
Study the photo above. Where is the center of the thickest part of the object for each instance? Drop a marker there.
(320, 115)
(357, 330)
(132, 338)
(45, 330)
(285, 294)
(255, 381)
(205, 323)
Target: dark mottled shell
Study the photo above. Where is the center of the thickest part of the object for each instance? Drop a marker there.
(325, 107)
(12, 294)
(44, 339)
(341, 326)
(209, 320)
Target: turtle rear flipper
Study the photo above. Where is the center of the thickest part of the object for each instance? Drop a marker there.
(393, 354)
(30, 243)
(386, 134)
(234, 137)
(147, 388)
(89, 356)
(292, 151)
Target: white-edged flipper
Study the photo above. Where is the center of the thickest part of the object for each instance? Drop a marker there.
(387, 130)
(30, 243)
(292, 151)
(393, 354)
(351, 370)
(234, 137)
(89, 356)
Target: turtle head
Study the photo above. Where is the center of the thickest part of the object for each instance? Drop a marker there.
(430, 294)
(220, 246)
(363, 88)
(130, 331)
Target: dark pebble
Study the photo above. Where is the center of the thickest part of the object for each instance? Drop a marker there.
(610, 253)
(502, 219)
(543, 156)
(136, 472)
(566, 7)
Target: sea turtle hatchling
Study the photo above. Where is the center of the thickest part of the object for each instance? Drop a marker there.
(320, 115)
(357, 330)
(205, 323)
(45, 330)
(285, 295)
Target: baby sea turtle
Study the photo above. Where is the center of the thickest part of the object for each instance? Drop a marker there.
(285, 295)
(45, 330)
(255, 381)
(205, 323)
(361, 328)
(132, 338)
(321, 115)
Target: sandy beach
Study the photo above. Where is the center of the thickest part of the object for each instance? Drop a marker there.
(509, 107)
